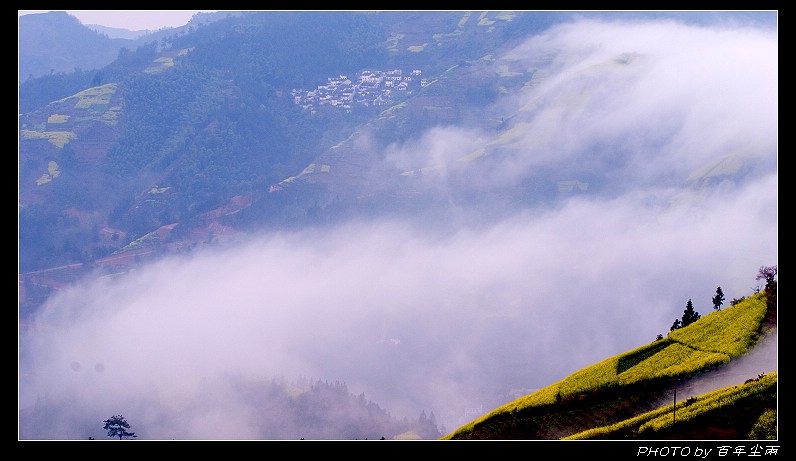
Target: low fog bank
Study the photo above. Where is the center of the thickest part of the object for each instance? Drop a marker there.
(761, 360)
(417, 321)
(616, 106)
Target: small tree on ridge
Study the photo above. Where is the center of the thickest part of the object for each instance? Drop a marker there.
(117, 427)
(718, 300)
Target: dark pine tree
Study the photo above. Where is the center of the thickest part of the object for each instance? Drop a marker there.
(689, 314)
(718, 300)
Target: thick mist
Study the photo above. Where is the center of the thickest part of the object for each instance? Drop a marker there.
(427, 318)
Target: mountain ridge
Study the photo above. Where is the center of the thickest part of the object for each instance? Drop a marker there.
(586, 412)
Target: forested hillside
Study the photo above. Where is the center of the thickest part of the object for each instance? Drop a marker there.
(180, 126)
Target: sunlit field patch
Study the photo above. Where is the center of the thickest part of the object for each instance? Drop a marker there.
(57, 118)
(52, 173)
(99, 95)
(57, 138)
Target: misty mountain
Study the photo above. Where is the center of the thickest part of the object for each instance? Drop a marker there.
(198, 18)
(57, 42)
(167, 114)
(58, 55)
(185, 117)
(303, 409)
(115, 32)
(388, 199)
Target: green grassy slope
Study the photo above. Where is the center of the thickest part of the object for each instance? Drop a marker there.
(716, 414)
(622, 396)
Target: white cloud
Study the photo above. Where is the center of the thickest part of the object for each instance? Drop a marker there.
(644, 102)
(520, 304)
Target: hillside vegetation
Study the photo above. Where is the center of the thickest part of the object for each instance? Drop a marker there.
(622, 397)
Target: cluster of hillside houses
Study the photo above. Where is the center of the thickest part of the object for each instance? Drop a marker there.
(369, 88)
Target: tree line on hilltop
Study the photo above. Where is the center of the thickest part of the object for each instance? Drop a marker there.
(767, 274)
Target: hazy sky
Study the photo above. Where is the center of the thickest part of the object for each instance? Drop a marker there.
(420, 320)
(130, 19)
